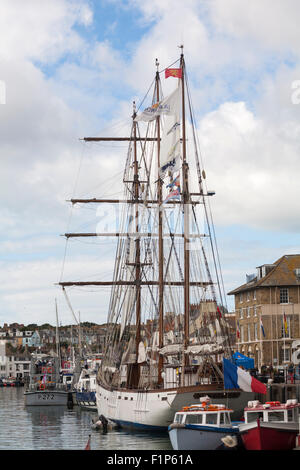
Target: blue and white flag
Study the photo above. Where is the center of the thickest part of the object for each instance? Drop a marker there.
(166, 107)
(170, 148)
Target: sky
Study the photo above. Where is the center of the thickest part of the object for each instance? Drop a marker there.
(72, 68)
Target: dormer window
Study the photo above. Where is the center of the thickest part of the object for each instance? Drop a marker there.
(297, 273)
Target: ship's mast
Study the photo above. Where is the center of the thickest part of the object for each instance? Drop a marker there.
(160, 240)
(186, 201)
(137, 241)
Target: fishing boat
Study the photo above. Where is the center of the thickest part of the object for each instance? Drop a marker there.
(86, 386)
(166, 326)
(45, 387)
(270, 426)
(202, 427)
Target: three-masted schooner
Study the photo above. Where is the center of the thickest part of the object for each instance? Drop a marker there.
(167, 332)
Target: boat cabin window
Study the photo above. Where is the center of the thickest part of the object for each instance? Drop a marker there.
(275, 416)
(178, 418)
(224, 418)
(211, 418)
(290, 415)
(194, 419)
(254, 416)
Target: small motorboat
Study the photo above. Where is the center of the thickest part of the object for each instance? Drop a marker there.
(203, 427)
(270, 426)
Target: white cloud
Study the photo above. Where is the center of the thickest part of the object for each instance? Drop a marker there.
(253, 165)
(40, 32)
(272, 24)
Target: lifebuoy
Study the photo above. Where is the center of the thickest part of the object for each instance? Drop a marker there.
(49, 370)
(42, 386)
(44, 369)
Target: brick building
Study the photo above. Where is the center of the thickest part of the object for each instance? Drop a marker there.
(267, 309)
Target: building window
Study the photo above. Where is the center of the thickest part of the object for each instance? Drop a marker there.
(248, 296)
(255, 331)
(242, 334)
(285, 355)
(241, 314)
(255, 311)
(248, 312)
(284, 295)
(254, 295)
(241, 297)
(249, 333)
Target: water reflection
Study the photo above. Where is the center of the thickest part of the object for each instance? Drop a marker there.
(56, 428)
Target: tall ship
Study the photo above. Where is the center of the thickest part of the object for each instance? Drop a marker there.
(166, 326)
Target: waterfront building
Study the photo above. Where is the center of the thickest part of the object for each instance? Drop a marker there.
(267, 311)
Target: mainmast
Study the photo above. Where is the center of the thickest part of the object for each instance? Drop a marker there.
(186, 201)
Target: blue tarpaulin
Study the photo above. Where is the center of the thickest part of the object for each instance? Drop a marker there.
(240, 360)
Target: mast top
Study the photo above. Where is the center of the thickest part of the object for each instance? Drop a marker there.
(133, 109)
(181, 47)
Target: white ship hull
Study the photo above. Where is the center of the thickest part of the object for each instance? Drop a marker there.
(46, 398)
(155, 409)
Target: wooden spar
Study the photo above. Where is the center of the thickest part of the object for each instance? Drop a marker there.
(126, 201)
(131, 283)
(118, 139)
(160, 242)
(186, 199)
(131, 235)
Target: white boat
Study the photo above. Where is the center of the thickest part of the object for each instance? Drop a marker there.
(44, 387)
(167, 332)
(86, 386)
(202, 427)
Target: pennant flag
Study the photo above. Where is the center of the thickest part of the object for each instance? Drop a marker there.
(219, 312)
(235, 377)
(177, 73)
(167, 107)
(88, 444)
(262, 327)
(285, 324)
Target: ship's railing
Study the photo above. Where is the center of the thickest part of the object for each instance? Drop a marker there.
(48, 386)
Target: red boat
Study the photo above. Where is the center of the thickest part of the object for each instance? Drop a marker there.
(270, 426)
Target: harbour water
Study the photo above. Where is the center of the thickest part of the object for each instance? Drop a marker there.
(58, 428)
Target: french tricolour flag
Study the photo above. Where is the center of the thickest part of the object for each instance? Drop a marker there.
(235, 377)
